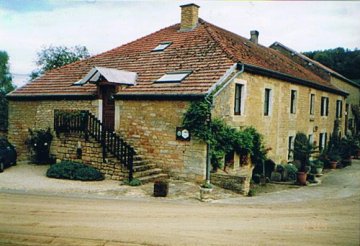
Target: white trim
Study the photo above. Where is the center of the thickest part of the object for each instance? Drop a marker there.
(242, 96)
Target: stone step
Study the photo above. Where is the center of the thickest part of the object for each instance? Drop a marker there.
(140, 162)
(140, 168)
(148, 172)
(152, 178)
(138, 157)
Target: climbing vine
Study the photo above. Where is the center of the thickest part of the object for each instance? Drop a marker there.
(223, 139)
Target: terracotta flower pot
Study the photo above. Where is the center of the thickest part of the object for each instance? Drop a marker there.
(333, 164)
(301, 178)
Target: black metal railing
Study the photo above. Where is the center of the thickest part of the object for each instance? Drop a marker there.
(82, 121)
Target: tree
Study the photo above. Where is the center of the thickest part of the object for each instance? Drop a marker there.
(344, 61)
(5, 76)
(56, 56)
(6, 86)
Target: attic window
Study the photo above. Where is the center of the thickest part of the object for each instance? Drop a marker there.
(162, 46)
(173, 77)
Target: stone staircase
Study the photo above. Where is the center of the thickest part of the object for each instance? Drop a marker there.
(145, 171)
(103, 149)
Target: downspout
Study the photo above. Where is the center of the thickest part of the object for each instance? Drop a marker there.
(208, 118)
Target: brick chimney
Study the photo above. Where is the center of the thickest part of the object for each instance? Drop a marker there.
(254, 36)
(189, 16)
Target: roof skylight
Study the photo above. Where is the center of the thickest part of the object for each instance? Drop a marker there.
(79, 82)
(173, 77)
(162, 46)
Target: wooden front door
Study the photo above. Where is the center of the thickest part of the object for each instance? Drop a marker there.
(107, 94)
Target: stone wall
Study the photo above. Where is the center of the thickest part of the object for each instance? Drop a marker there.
(354, 95)
(280, 123)
(150, 126)
(38, 115)
(65, 148)
(239, 184)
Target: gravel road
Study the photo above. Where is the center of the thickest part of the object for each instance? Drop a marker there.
(85, 214)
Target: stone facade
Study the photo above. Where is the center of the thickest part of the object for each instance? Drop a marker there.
(65, 148)
(38, 115)
(150, 126)
(352, 99)
(280, 123)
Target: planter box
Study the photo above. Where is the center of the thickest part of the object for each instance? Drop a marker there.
(205, 194)
(161, 188)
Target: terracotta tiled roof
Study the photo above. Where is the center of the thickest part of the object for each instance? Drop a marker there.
(208, 51)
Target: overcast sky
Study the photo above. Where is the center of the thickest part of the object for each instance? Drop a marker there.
(28, 25)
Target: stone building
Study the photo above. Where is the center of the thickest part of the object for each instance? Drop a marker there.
(142, 89)
(338, 80)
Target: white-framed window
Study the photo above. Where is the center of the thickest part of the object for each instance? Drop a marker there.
(324, 111)
(173, 77)
(267, 101)
(162, 46)
(312, 104)
(338, 108)
(293, 99)
(239, 99)
(322, 141)
(291, 141)
(311, 138)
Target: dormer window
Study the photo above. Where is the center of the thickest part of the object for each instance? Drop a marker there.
(162, 46)
(173, 77)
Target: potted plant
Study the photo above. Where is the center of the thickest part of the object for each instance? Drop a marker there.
(205, 191)
(318, 166)
(347, 148)
(334, 159)
(302, 152)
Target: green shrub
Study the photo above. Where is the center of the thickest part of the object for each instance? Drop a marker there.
(74, 171)
(291, 171)
(207, 186)
(223, 139)
(251, 192)
(135, 182)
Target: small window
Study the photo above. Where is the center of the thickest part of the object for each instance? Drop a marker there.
(267, 100)
(173, 77)
(338, 109)
(162, 46)
(293, 102)
(291, 147)
(324, 106)
(238, 98)
(312, 104)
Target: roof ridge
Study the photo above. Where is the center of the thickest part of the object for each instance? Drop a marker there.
(316, 63)
(214, 36)
(136, 40)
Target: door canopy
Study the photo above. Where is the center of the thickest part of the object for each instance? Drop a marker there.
(111, 75)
